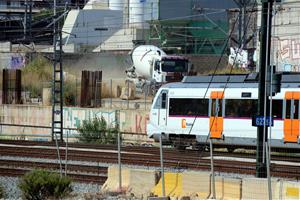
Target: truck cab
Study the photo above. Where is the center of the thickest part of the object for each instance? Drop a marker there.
(170, 69)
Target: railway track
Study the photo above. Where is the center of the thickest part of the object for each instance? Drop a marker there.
(141, 156)
(84, 178)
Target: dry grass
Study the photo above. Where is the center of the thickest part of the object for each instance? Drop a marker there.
(36, 74)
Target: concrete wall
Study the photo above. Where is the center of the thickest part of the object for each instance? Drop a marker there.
(129, 120)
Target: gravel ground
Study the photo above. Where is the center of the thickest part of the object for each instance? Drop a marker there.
(10, 185)
(12, 191)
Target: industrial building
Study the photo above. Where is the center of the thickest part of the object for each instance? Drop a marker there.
(18, 15)
(285, 50)
(189, 27)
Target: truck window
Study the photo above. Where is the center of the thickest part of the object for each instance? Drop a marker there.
(156, 65)
(174, 65)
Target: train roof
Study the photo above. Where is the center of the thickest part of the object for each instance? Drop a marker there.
(233, 80)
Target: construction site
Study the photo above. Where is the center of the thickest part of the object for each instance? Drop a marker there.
(152, 99)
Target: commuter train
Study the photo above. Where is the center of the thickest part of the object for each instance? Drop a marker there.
(187, 113)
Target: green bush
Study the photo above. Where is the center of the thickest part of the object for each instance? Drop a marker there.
(1, 192)
(96, 131)
(41, 184)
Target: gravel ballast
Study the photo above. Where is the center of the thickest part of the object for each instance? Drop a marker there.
(10, 185)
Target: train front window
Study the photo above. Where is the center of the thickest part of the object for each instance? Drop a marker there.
(163, 100)
(188, 107)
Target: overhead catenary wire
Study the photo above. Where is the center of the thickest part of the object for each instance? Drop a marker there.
(116, 27)
(214, 73)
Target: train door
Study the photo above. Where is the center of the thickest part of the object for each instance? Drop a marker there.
(216, 113)
(291, 111)
(162, 113)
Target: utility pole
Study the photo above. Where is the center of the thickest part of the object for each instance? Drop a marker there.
(263, 98)
(30, 20)
(57, 84)
(25, 19)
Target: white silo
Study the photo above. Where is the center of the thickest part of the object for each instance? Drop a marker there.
(116, 4)
(151, 10)
(136, 13)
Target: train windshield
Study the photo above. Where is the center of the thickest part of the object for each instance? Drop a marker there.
(174, 66)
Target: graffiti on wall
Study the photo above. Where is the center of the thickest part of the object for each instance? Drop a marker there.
(129, 121)
(290, 49)
(135, 122)
(141, 123)
(73, 117)
(17, 61)
(288, 54)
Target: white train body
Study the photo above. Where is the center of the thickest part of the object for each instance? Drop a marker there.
(184, 111)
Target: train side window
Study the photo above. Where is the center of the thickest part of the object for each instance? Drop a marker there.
(164, 100)
(188, 107)
(296, 112)
(213, 107)
(277, 109)
(288, 110)
(240, 108)
(216, 111)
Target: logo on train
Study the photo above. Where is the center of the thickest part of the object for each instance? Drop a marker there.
(184, 124)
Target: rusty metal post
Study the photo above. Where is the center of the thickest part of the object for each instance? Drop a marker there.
(89, 86)
(11, 86)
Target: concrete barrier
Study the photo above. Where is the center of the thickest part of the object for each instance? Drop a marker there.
(257, 188)
(289, 190)
(173, 185)
(141, 182)
(228, 188)
(137, 182)
(196, 184)
(112, 182)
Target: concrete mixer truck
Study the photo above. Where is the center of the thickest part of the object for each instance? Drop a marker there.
(152, 67)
